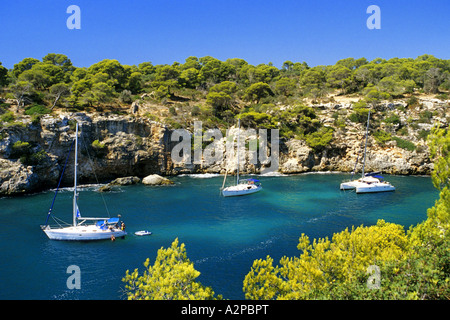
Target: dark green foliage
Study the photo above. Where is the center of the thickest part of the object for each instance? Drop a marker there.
(20, 147)
(404, 144)
(3, 75)
(360, 112)
(7, 117)
(28, 156)
(36, 109)
(320, 139)
(256, 119)
(228, 87)
(393, 119)
(297, 121)
(382, 136)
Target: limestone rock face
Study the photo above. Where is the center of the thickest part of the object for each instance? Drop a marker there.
(114, 146)
(15, 178)
(298, 158)
(110, 147)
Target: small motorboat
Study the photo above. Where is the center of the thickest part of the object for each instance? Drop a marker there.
(143, 233)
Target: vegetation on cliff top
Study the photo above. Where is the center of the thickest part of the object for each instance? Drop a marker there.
(217, 92)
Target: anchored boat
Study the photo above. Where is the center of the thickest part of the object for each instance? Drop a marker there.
(369, 182)
(82, 228)
(244, 186)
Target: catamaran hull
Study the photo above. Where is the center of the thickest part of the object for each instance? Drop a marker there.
(349, 185)
(83, 234)
(374, 188)
(232, 192)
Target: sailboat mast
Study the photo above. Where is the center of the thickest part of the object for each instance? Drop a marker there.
(239, 133)
(365, 146)
(75, 206)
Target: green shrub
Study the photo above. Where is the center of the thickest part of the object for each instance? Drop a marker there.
(442, 96)
(4, 106)
(36, 109)
(97, 145)
(404, 144)
(100, 149)
(382, 136)
(413, 101)
(299, 120)
(172, 110)
(360, 112)
(423, 134)
(22, 150)
(253, 118)
(7, 117)
(403, 131)
(35, 158)
(425, 117)
(320, 139)
(392, 118)
(21, 147)
(195, 111)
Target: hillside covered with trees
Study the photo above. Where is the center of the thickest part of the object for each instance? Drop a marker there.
(55, 81)
(217, 92)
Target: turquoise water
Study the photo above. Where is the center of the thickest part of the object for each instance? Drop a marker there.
(223, 236)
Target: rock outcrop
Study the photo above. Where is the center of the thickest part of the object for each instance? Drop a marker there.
(15, 178)
(110, 147)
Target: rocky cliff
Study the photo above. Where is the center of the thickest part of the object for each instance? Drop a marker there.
(33, 153)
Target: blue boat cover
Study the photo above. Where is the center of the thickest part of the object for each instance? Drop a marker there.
(254, 180)
(101, 225)
(113, 220)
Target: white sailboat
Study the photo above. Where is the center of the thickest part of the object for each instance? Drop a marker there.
(368, 183)
(81, 230)
(243, 186)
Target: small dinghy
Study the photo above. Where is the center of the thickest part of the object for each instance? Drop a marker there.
(143, 233)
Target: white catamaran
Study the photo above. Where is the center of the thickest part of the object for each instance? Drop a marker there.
(243, 186)
(369, 182)
(80, 230)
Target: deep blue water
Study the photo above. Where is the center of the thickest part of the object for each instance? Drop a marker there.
(223, 236)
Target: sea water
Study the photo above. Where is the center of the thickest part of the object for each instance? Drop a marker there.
(223, 236)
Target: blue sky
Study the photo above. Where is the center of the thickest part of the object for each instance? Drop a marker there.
(164, 31)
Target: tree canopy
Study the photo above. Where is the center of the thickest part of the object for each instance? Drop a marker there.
(394, 77)
(171, 277)
(218, 92)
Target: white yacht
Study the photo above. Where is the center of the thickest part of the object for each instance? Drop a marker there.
(244, 186)
(349, 185)
(81, 229)
(380, 186)
(369, 182)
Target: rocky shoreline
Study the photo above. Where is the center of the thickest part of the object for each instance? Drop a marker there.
(32, 154)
